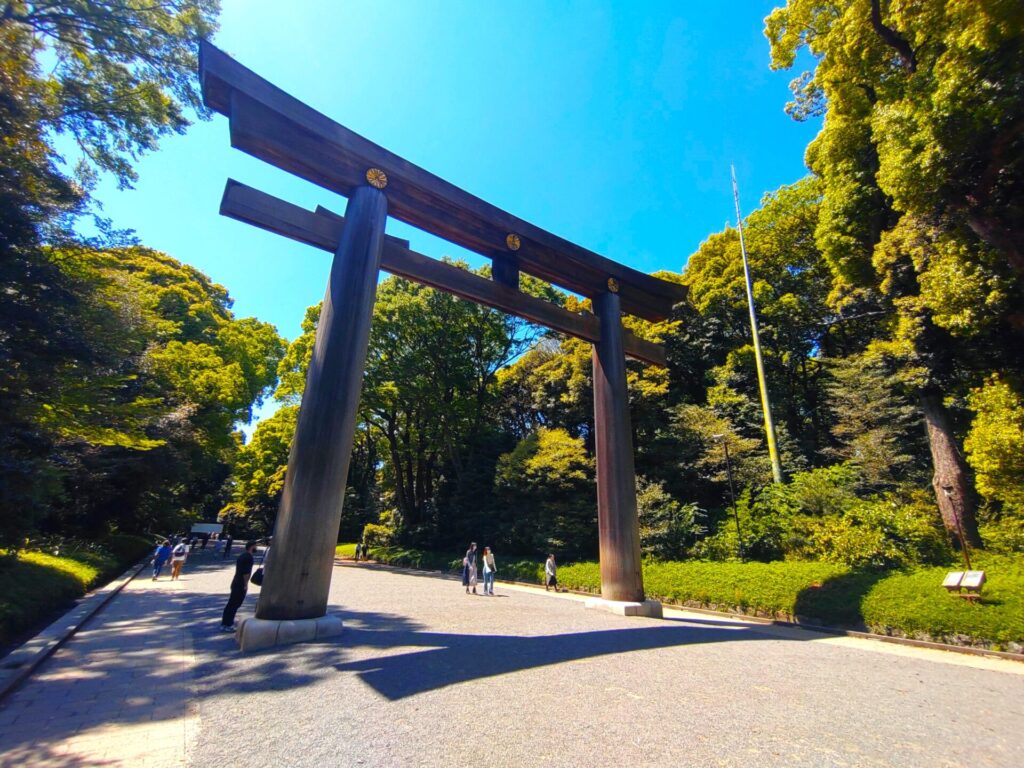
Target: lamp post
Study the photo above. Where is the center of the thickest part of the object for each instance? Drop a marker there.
(732, 491)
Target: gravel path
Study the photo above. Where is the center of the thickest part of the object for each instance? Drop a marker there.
(426, 675)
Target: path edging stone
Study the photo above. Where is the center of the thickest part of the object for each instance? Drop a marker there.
(20, 663)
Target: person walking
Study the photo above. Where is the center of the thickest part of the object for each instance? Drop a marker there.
(160, 557)
(550, 571)
(227, 547)
(239, 586)
(469, 577)
(178, 557)
(489, 570)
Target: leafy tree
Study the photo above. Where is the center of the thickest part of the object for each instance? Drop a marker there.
(707, 434)
(142, 427)
(920, 163)
(547, 484)
(112, 76)
(668, 528)
(259, 469)
(994, 444)
(108, 79)
(791, 283)
(428, 400)
(877, 430)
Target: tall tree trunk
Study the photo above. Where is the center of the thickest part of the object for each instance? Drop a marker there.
(402, 492)
(950, 479)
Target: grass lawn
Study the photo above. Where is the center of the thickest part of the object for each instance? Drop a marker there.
(345, 550)
(910, 603)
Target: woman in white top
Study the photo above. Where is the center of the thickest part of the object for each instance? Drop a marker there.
(489, 570)
(178, 556)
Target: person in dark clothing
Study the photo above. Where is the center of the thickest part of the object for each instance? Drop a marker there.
(227, 548)
(239, 586)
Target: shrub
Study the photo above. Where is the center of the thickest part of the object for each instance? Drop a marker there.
(529, 571)
(35, 584)
(993, 445)
(375, 535)
(667, 527)
(762, 532)
(417, 558)
(1004, 534)
(882, 533)
(823, 491)
(126, 548)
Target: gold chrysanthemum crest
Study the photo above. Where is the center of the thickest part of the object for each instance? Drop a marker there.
(377, 178)
(613, 285)
(512, 241)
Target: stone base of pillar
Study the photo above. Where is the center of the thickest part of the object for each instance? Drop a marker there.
(649, 608)
(255, 634)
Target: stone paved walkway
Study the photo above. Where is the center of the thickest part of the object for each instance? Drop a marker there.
(426, 675)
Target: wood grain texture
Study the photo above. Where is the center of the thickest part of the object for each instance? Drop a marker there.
(274, 126)
(298, 572)
(322, 229)
(618, 525)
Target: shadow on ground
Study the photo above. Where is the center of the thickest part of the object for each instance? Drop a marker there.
(456, 658)
(837, 601)
(126, 645)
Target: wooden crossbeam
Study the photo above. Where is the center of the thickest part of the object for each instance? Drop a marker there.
(270, 124)
(322, 229)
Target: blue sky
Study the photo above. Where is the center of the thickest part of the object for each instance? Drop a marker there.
(612, 124)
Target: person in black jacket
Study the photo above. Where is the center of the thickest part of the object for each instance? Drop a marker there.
(239, 586)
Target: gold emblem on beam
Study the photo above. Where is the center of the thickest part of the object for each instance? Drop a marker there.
(512, 241)
(377, 178)
(613, 285)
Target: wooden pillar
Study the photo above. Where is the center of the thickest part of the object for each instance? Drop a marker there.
(298, 574)
(619, 529)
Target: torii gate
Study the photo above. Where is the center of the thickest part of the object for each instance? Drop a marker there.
(275, 127)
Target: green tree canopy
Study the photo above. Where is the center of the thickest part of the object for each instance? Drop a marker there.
(922, 190)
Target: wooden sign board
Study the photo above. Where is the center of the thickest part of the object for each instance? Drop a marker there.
(953, 579)
(973, 580)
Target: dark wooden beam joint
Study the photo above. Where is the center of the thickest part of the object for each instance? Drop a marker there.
(505, 271)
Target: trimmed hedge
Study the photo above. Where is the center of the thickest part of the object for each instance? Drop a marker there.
(34, 585)
(37, 585)
(906, 603)
(414, 558)
(903, 603)
(910, 603)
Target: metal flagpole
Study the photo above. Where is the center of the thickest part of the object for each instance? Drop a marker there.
(769, 425)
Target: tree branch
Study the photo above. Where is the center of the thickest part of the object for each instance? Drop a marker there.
(892, 38)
